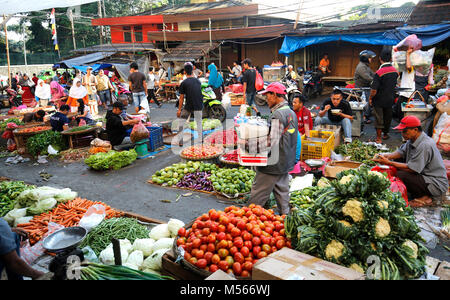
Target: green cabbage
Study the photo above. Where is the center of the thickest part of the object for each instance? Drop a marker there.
(42, 206)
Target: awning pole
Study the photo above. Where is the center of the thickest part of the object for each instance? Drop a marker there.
(7, 50)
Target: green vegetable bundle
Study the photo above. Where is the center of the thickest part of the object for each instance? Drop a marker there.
(175, 173)
(81, 128)
(358, 151)
(111, 160)
(355, 218)
(93, 271)
(9, 191)
(39, 143)
(207, 124)
(4, 124)
(120, 228)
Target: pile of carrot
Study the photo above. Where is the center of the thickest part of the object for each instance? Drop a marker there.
(67, 214)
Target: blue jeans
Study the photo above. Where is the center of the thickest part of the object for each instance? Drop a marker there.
(346, 124)
(12, 276)
(138, 98)
(105, 97)
(250, 98)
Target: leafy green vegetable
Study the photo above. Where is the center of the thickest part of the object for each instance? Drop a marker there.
(207, 124)
(111, 160)
(39, 143)
(9, 192)
(81, 128)
(358, 151)
(93, 271)
(4, 123)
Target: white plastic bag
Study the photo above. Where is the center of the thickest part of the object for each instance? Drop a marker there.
(94, 216)
(52, 150)
(226, 100)
(31, 253)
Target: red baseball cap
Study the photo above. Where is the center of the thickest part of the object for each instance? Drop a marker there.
(276, 88)
(408, 122)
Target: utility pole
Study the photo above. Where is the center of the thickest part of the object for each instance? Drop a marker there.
(73, 30)
(300, 6)
(100, 15)
(24, 45)
(7, 48)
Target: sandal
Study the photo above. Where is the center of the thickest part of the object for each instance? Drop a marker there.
(386, 136)
(420, 203)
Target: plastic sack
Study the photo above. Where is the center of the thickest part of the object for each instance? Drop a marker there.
(11, 145)
(226, 100)
(51, 150)
(7, 135)
(441, 133)
(139, 133)
(82, 122)
(31, 253)
(100, 143)
(259, 82)
(93, 216)
(422, 60)
(390, 170)
(398, 186)
(411, 41)
(90, 255)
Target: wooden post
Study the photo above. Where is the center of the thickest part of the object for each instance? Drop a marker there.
(73, 30)
(7, 50)
(298, 14)
(101, 27)
(24, 46)
(220, 57)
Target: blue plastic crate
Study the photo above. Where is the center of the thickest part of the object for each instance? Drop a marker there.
(156, 138)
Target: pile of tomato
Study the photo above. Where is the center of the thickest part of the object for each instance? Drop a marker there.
(233, 240)
(201, 152)
(35, 129)
(225, 137)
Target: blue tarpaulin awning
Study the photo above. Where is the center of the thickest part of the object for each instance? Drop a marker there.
(430, 35)
(292, 44)
(94, 67)
(85, 59)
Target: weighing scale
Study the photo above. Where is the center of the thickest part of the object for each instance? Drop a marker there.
(142, 149)
(315, 165)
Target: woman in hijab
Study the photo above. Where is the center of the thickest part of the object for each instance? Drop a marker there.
(77, 91)
(59, 96)
(215, 81)
(42, 93)
(27, 97)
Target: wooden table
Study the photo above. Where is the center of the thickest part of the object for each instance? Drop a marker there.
(170, 90)
(79, 139)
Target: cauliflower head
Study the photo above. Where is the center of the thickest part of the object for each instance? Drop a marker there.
(345, 223)
(413, 246)
(346, 179)
(379, 174)
(353, 209)
(383, 204)
(382, 228)
(334, 249)
(357, 268)
(323, 182)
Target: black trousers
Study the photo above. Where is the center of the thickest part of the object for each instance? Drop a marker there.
(415, 184)
(383, 117)
(151, 95)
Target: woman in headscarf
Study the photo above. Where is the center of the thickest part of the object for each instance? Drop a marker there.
(27, 97)
(42, 93)
(59, 96)
(215, 81)
(77, 91)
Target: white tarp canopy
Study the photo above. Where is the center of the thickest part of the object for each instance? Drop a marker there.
(22, 6)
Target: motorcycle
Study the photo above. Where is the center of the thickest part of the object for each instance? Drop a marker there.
(312, 84)
(232, 79)
(291, 89)
(212, 108)
(12, 96)
(261, 100)
(121, 89)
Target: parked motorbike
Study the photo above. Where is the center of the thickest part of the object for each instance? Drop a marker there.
(312, 84)
(291, 89)
(261, 100)
(232, 79)
(121, 89)
(11, 95)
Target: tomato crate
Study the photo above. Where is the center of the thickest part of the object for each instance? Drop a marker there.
(312, 148)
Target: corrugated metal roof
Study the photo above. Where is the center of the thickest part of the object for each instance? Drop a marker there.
(430, 12)
(86, 59)
(189, 51)
(184, 8)
(136, 47)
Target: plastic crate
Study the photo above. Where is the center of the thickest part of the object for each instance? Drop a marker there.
(156, 138)
(316, 149)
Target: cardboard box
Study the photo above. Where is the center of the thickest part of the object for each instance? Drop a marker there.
(335, 167)
(220, 275)
(443, 271)
(288, 264)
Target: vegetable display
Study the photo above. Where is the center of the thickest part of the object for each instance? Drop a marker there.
(73, 155)
(4, 124)
(39, 143)
(356, 217)
(201, 152)
(34, 129)
(445, 217)
(93, 271)
(111, 160)
(207, 124)
(80, 128)
(224, 137)
(359, 151)
(230, 157)
(232, 240)
(233, 181)
(67, 214)
(196, 181)
(9, 191)
(172, 175)
(120, 228)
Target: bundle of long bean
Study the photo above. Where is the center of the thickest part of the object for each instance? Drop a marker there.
(120, 228)
(93, 271)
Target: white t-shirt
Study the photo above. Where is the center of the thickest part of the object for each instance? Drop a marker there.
(88, 114)
(407, 81)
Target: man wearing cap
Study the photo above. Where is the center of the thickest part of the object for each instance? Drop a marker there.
(423, 171)
(283, 141)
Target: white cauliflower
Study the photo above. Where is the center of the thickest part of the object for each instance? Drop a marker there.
(323, 182)
(334, 249)
(354, 210)
(379, 174)
(413, 246)
(382, 228)
(346, 179)
(345, 223)
(383, 204)
(357, 268)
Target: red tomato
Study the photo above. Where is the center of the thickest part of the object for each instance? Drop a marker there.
(280, 244)
(221, 228)
(182, 232)
(256, 250)
(230, 261)
(181, 241)
(230, 227)
(211, 247)
(256, 231)
(199, 254)
(187, 256)
(215, 259)
(223, 265)
(235, 232)
(189, 247)
(272, 241)
(282, 231)
(212, 238)
(237, 269)
(275, 234)
(201, 263)
(238, 257)
(214, 227)
(289, 244)
(274, 249)
(194, 251)
(248, 244)
(279, 226)
(256, 241)
(223, 244)
(248, 265)
(263, 218)
(214, 216)
(223, 253)
(230, 244)
(252, 205)
(245, 274)
(269, 229)
(234, 221)
(221, 236)
(193, 260)
(204, 247)
(238, 242)
(213, 268)
(261, 254)
(247, 236)
(200, 225)
(265, 240)
(224, 220)
(245, 251)
(208, 224)
(208, 256)
(248, 214)
(233, 250)
(204, 239)
(266, 248)
(205, 217)
(229, 237)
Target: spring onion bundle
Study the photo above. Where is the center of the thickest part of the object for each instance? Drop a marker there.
(93, 271)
